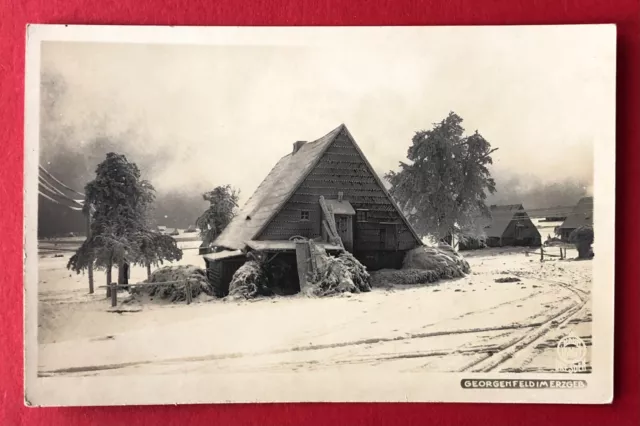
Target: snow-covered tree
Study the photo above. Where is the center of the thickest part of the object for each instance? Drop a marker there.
(155, 248)
(223, 201)
(444, 185)
(582, 238)
(120, 230)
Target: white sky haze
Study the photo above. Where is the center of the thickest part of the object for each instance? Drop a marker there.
(225, 114)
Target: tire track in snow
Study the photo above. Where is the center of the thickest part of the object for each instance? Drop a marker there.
(494, 360)
(279, 351)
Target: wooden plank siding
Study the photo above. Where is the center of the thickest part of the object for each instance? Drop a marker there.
(220, 273)
(341, 168)
(528, 236)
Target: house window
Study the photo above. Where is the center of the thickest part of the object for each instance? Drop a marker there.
(304, 214)
(361, 215)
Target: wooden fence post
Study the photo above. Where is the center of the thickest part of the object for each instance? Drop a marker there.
(303, 254)
(188, 289)
(90, 265)
(541, 254)
(114, 294)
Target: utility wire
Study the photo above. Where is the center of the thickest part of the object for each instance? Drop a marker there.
(57, 193)
(58, 202)
(50, 191)
(60, 199)
(60, 183)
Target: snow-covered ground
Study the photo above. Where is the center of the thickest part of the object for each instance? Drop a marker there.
(468, 324)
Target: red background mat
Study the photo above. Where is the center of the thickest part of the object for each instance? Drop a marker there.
(625, 13)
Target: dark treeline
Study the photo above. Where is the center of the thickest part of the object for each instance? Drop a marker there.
(174, 210)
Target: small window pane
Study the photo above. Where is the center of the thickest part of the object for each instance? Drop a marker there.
(304, 214)
(361, 215)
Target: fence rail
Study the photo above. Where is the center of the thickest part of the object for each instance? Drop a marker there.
(545, 252)
(113, 289)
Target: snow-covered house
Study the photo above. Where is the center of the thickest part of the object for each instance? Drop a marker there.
(511, 226)
(582, 215)
(319, 186)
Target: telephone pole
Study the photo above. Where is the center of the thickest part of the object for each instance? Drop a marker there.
(88, 213)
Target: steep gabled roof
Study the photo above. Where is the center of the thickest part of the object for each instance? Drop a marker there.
(582, 215)
(501, 217)
(278, 187)
(273, 192)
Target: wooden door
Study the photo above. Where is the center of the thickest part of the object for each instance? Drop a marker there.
(519, 232)
(344, 225)
(389, 236)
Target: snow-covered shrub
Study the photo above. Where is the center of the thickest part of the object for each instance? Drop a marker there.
(472, 242)
(249, 281)
(389, 277)
(582, 238)
(178, 276)
(444, 261)
(423, 265)
(357, 271)
(334, 275)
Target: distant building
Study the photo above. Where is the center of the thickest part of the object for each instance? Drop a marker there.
(162, 228)
(287, 205)
(556, 218)
(582, 215)
(511, 226)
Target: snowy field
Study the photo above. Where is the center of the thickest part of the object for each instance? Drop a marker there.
(469, 324)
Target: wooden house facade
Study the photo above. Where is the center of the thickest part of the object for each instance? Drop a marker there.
(582, 215)
(321, 185)
(511, 226)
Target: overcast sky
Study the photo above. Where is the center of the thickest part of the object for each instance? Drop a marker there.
(226, 114)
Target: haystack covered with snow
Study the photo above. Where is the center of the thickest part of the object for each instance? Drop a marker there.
(176, 279)
(424, 265)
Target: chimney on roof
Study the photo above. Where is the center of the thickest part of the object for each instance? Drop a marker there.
(297, 145)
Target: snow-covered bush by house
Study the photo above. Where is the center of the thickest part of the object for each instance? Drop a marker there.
(334, 275)
(445, 261)
(472, 242)
(357, 270)
(424, 265)
(249, 281)
(388, 277)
